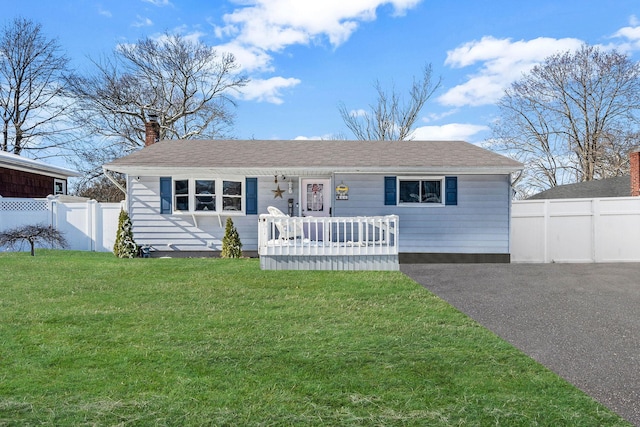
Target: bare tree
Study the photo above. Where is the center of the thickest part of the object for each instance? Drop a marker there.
(39, 233)
(391, 118)
(101, 189)
(186, 84)
(572, 118)
(33, 104)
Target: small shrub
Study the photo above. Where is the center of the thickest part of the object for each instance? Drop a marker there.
(39, 233)
(125, 246)
(231, 245)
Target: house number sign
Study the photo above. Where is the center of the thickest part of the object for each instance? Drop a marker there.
(342, 192)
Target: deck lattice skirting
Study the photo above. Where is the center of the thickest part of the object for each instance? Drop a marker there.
(335, 243)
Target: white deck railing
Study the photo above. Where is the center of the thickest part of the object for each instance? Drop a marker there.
(283, 235)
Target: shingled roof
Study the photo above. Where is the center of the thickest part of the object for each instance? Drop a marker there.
(619, 186)
(304, 157)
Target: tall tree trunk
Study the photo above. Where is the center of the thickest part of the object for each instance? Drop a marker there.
(5, 135)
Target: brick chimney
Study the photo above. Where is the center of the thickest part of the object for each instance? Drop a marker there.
(634, 167)
(151, 130)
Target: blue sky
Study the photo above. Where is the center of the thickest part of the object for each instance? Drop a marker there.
(305, 57)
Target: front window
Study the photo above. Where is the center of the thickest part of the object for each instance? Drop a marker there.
(207, 195)
(232, 196)
(420, 190)
(181, 194)
(59, 186)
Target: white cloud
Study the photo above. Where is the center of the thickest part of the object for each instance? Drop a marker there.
(434, 117)
(104, 12)
(158, 2)
(499, 62)
(273, 25)
(192, 37)
(325, 137)
(142, 22)
(257, 28)
(451, 131)
(496, 63)
(261, 26)
(630, 34)
(268, 90)
(248, 57)
(358, 113)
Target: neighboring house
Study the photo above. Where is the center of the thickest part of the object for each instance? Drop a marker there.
(23, 177)
(619, 186)
(453, 198)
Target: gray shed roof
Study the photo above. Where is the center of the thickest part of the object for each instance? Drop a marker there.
(619, 186)
(303, 157)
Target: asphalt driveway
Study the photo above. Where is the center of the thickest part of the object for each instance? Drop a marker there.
(580, 320)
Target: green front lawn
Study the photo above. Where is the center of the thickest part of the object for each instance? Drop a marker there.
(89, 339)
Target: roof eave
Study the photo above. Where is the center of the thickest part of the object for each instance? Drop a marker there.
(53, 171)
(308, 171)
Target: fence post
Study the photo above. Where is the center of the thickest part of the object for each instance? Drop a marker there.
(91, 224)
(53, 208)
(595, 219)
(545, 242)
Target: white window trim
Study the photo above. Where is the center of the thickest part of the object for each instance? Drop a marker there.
(421, 178)
(218, 196)
(57, 181)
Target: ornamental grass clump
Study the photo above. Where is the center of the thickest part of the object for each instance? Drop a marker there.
(231, 245)
(125, 246)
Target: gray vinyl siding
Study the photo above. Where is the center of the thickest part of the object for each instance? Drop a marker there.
(478, 224)
(266, 197)
(180, 232)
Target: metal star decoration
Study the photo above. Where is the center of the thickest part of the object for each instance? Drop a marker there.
(277, 192)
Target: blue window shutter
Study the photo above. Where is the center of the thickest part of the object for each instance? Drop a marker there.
(451, 190)
(251, 188)
(389, 190)
(165, 195)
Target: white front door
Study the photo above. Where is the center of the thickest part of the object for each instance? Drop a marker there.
(316, 197)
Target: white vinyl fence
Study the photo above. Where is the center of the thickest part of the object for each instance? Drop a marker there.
(576, 230)
(87, 225)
